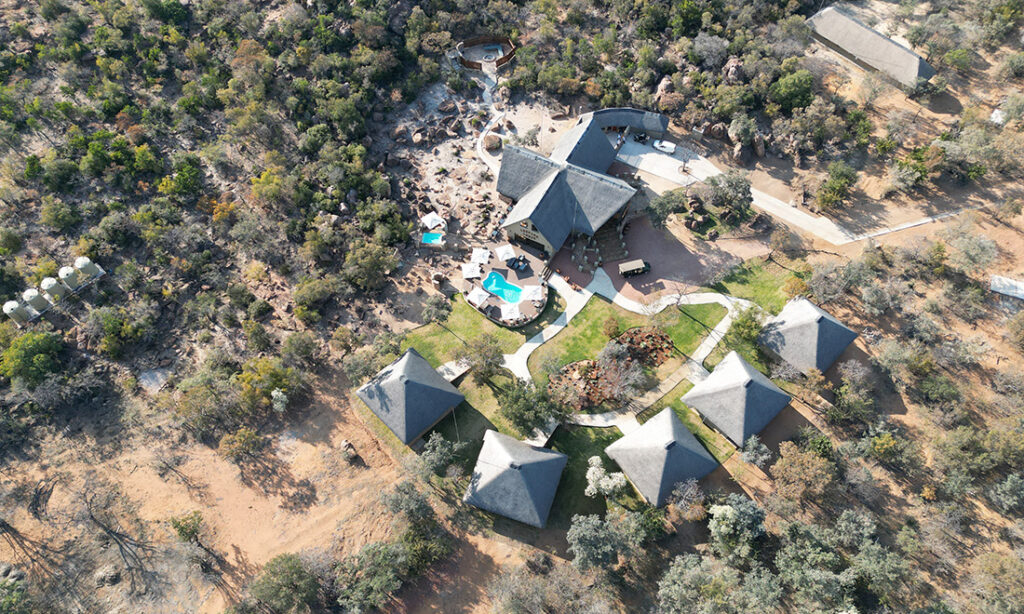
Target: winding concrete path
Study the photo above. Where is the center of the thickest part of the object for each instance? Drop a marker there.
(625, 417)
(489, 82)
(685, 167)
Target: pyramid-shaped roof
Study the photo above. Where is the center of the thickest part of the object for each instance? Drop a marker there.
(737, 399)
(659, 455)
(806, 336)
(514, 479)
(409, 396)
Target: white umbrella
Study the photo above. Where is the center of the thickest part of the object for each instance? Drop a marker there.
(432, 220)
(533, 293)
(505, 252)
(481, 255)
(470, 270)
(477, 296)
(509, 312)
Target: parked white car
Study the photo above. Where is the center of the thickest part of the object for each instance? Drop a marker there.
(665, 146)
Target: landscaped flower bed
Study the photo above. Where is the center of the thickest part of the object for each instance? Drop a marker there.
(650, 345)
(580, 384)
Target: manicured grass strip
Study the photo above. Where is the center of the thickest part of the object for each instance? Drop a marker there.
(716, 444)
(440, 343)
(757, 281)
(584, 337)
(688, 325)
(749, 351)
(580, 443)
(473, 416)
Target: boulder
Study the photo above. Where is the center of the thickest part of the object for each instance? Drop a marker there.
(740, 153)
(733, 70)
(398, 132)
(492, 142)
(367, 142)
(446, 106)
(758, 145)
(718, 131)
(665, 86)
(418, 138)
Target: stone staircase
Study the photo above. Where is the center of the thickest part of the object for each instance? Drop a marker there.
(610, 244)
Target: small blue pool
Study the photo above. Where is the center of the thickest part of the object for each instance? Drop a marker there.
(433, 238)
(497, 285)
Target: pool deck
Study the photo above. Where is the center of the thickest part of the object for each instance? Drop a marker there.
(531, 276)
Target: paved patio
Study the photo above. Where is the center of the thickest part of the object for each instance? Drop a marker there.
(676, 266)
(491, 306)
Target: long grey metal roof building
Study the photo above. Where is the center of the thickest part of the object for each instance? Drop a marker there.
(845, 33)
(806, 336)
(409, 396)
(659, 455)
(514, 479)
(737, 399)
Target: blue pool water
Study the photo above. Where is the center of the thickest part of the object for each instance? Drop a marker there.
(433, 238)
(502, 288)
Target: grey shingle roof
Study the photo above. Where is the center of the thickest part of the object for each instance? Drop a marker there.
(521, 169)
(843, 31)
(620, 117)
(571, 200)
(805, 336)
(585, 145)
(409, 396)
(737, 399)
(659, 455)
(514, 479)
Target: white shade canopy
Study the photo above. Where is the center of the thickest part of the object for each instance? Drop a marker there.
(510, 312)
(481, 255)
(470, 270)
(432, 220)
(505, 252)
(477, 296)
(533, 293)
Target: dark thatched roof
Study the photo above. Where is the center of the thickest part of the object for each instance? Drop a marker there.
(737, 399)
(805, 336)
(586, 146)
(409, 396)
(514, 479)
(659, 455)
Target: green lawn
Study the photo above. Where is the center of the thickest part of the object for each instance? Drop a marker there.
(749, 351)
(584, 337)
(580, 443)
(439, 344)
(757, 281)
(716, 444)
(475, 415)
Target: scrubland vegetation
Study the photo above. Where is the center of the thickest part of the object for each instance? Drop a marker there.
(226, 163)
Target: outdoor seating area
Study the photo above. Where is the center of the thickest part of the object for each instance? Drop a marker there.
(504, 283)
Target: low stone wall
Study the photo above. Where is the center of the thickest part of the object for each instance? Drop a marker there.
(486, 40)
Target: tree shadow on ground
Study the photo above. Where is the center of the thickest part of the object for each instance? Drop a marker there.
(272, 477)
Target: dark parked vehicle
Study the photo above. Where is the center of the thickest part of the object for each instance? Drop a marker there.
(633, 267)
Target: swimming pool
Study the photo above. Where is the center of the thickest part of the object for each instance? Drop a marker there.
(433, 238)
(497, 285)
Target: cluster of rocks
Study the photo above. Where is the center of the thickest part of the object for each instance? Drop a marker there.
(425, 129)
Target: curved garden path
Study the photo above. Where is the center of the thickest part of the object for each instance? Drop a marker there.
(625, 417)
